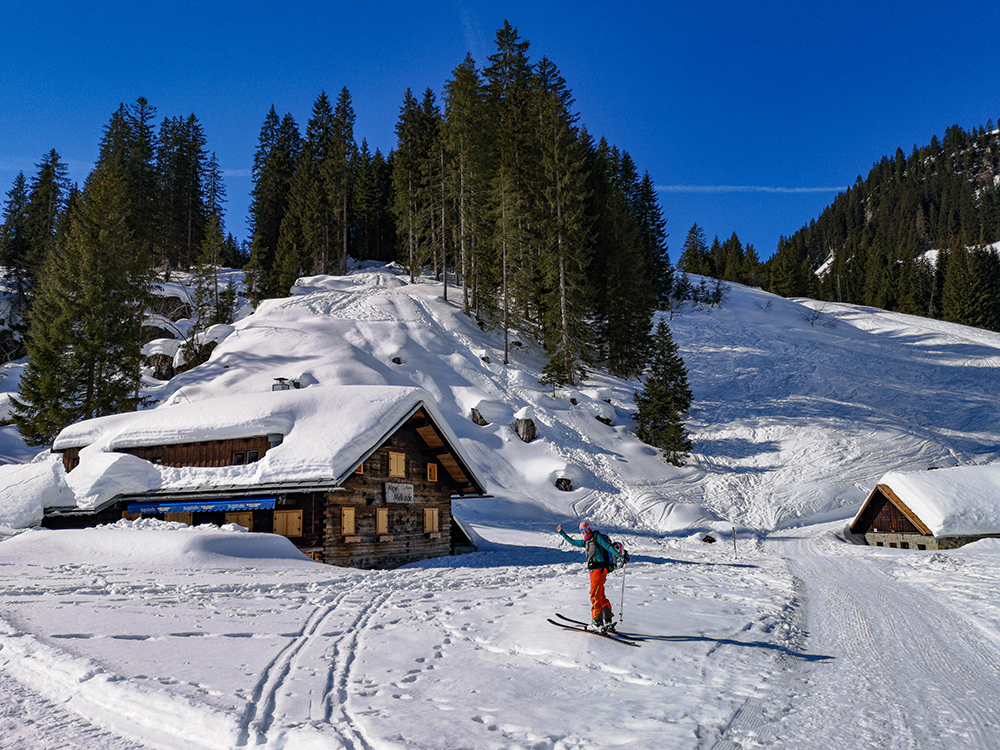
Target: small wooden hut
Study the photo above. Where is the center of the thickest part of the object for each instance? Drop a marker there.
(939, 509)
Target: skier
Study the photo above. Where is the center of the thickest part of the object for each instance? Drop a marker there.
(599, 552)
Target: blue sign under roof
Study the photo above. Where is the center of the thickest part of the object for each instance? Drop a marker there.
(204, 506)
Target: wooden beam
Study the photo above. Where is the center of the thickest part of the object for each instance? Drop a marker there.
(430, 436)
(894, 499)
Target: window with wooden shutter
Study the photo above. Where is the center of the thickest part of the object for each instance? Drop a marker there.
(432, 472)
(242, 518)
(347, 521)
(397, 465)
(381, 521)
(430, 520)
(288, 523)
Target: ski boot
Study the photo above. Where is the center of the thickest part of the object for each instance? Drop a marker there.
(607, 621)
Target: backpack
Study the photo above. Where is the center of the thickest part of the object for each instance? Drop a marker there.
(618, 547)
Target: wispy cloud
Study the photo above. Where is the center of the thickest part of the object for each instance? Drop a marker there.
(745, 189)
(237, 172)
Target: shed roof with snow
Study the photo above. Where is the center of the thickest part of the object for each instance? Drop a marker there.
(959, 501)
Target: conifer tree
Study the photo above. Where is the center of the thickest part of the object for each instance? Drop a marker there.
(694, 253)
(625, 284)
(273, 168)
(664, 398)
(86, 329)
(513, 184)
(653, 239)
(461, 130)
(182, 163)
(373, 225)
(563, 240)
(15, 250)
(338, 174)
(406, 180)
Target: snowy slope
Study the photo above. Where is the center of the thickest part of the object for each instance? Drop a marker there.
(168, 637)
(799, 406)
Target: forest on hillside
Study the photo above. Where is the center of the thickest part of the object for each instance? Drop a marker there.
(496, 189)
(914, 236)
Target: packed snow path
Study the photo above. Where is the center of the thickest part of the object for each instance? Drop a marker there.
(910, 669)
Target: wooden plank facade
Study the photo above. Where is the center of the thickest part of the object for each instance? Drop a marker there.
(886, 521)
(393, 510)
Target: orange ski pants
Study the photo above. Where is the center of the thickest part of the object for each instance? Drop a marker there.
(598, 600)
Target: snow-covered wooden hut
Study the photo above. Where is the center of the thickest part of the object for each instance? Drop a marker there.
(359, 476)
(939, 509)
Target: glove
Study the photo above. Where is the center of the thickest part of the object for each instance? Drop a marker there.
(625, 557)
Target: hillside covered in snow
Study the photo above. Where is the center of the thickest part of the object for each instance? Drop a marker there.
(154, 635)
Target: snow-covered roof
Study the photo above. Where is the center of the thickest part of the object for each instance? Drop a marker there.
(951, 502)
(326, 432)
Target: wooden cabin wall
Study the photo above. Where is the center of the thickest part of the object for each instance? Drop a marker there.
(406, 540)
(882, 515)
(205, 453)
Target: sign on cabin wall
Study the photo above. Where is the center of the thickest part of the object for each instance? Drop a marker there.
(398, 493)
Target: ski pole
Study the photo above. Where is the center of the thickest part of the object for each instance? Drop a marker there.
(621, 604)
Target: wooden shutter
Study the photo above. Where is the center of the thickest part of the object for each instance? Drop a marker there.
(397, 465)
(430, 520)
(288, 522)
(381, 520)
(347, 521)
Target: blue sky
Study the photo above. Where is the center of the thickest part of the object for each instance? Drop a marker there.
(748, 115)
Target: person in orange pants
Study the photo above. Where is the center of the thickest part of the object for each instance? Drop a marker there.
(600, 553)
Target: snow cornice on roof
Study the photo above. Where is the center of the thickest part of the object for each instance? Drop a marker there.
(326, 432)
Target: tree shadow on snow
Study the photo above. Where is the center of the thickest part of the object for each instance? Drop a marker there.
(496, 555)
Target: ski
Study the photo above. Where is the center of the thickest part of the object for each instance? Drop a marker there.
(609, 636)
(626, 636)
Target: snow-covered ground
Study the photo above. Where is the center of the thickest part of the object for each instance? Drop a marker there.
(151, 635)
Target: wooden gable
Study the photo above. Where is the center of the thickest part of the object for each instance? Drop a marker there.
(884, 512)
(440, 451)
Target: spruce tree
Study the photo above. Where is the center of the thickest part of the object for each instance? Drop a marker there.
(653, 239)
(273, 168)
(664, 398)
(86, 329)
(694, 253)
(15, 250)
(563, 230)
(46, 201)
(182, 163)
(461, 132)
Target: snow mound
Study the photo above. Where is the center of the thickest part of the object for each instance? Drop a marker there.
(154, 545)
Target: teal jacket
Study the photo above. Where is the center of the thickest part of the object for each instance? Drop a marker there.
(597, 547)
